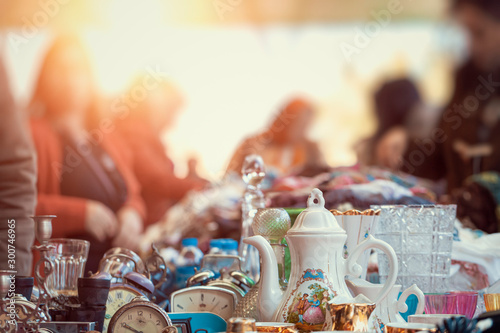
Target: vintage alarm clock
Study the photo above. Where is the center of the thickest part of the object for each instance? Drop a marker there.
(133, 285)
(205, 293)
(141, 315)
(216, 300)
(119, 261)
(130, 277)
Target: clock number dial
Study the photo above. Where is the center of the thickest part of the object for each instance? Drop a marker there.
(118, 296)
(139, 318)
(204, 299)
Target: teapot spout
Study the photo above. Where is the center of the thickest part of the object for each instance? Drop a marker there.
(270, 293)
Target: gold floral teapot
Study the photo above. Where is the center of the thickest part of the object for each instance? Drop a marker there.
(318, 269)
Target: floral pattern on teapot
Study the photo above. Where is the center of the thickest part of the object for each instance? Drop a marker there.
(308, 308)
(376, 323)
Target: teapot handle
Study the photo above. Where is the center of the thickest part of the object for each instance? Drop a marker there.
(354, 268)
(412, 290)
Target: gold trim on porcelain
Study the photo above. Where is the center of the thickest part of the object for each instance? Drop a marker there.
(368, 212)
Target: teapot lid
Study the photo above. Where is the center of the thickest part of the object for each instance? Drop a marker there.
(316, 219)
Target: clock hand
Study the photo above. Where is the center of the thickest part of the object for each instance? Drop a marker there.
(211, 310)
(130, 328)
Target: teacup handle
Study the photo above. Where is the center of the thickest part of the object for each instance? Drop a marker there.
(412, 290)
(354, 268)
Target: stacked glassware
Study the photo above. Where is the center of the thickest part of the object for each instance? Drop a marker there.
(422, 237)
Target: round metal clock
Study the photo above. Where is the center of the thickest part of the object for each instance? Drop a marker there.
(119, 295)
(220, 301)
(141, 316)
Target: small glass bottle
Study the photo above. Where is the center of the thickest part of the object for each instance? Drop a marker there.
(188, 261)
(215, 246)
(253, 174)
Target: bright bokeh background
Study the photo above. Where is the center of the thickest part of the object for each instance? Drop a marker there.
(236, 75)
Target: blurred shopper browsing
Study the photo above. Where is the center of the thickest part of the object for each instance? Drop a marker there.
(141, 129)
(86, 180)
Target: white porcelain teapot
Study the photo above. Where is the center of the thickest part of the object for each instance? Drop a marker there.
(318, 269)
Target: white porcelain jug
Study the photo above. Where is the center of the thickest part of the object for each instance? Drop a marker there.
(318, 269)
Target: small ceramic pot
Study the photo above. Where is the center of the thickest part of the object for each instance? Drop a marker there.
(93, 292)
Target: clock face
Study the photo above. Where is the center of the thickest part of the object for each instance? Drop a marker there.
(205, 299)
(118, 296)
(138, 318)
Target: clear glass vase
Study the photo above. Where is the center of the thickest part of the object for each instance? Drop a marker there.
(422, 237)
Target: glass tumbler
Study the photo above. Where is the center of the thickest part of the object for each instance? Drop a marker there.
(466, 302)
(492, 302)
(68, 257)
(440, 303)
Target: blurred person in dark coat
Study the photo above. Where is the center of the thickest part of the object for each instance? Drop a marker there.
(402, 117)
(469, 138)
(467, 141)
(17, 183)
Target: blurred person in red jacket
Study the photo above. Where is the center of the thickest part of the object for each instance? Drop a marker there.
(84, 170)
(142, 126)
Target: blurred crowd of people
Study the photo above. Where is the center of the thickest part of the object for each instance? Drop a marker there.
(107, 176)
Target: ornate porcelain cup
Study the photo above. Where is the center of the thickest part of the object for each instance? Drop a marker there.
(348, 317)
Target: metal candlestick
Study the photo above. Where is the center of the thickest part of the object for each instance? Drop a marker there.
(7, 324)
(43, 233)
(253, 174)
(21, 312)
